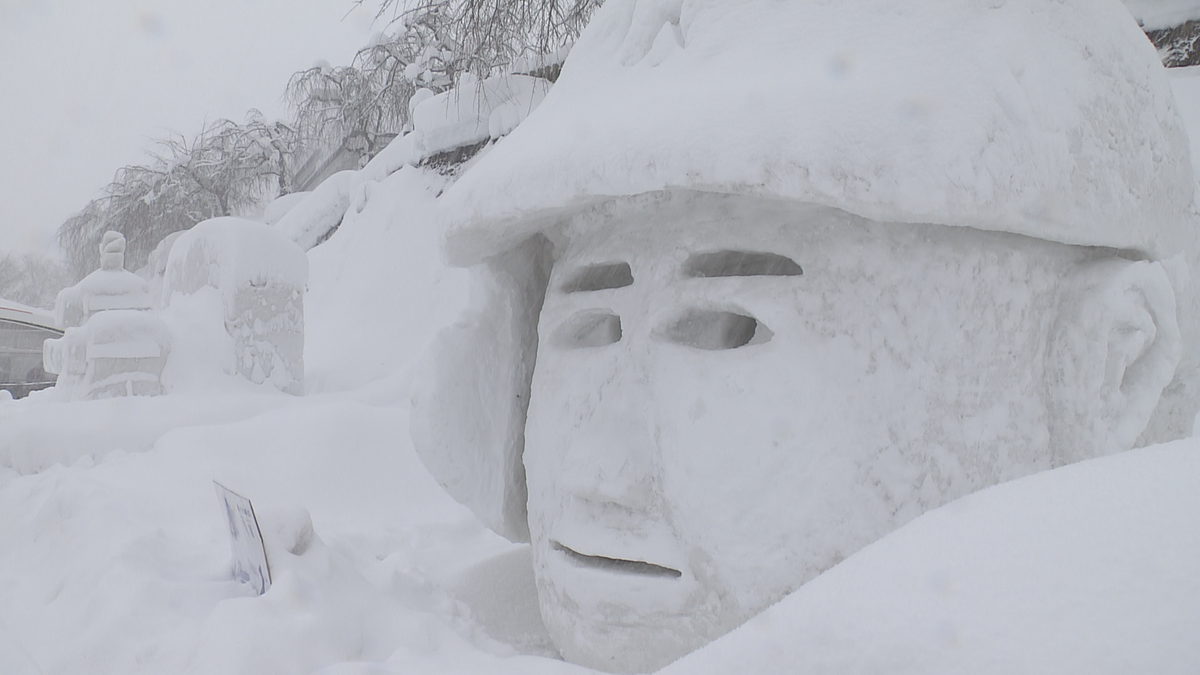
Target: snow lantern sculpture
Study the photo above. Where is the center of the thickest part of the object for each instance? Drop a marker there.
(113, 345)
(763, 281)
(261, 276)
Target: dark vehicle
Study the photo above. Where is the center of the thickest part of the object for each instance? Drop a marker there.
(22, 332)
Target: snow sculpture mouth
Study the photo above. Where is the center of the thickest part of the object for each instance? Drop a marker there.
(617, 565)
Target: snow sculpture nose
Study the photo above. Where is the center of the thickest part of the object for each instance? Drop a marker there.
(612, 459)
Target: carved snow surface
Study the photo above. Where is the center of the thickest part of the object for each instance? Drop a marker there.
(992, 115)
(814, 268)
(261, 276)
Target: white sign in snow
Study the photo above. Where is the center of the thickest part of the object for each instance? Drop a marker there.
(249, 555)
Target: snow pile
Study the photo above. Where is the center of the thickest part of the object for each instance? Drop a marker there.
(379, 288)
(116, 557)
(1185, 83)
(996, 116)
(122, 565)
(279, 207)
(1160, 14)
(476, 111)
(310, 217)
(470, 113)
(155, 270)
(261, 278)
(1086, 569)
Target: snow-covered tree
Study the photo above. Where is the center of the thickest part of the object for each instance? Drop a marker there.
(227, 169)
(430, 44)
(333, 104)
(370, 97)
(31, 279)
(486, 34)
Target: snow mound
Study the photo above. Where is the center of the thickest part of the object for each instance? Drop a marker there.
(471, 113)
(1085, 569)
(476, 111)
(1048, 119)
(1160, 14)
(379, 290)
(280, 206)
(308, 219)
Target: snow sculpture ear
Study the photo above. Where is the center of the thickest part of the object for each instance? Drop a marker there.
(472, 390)
(1115, 348)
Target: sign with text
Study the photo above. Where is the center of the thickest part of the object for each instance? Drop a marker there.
(249, 554)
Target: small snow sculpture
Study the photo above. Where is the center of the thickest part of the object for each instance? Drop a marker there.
(112, 346)
(756, 291)
(261, 276)
(110, 287)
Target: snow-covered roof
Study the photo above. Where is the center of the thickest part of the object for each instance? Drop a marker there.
(1160, 14)
(1047, 119)
(16, 311)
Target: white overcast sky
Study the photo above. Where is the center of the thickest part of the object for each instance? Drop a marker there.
(85, 85)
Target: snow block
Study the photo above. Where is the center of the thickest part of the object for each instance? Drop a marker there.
(261, 276)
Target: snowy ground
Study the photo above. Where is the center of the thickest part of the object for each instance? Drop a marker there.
(114, 556)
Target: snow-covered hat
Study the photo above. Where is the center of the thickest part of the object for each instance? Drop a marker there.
(1052, 119)
(1046, 118)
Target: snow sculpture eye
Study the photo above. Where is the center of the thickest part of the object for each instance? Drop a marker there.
(588, 329)
(740, 264)
(712, 330)
(600, 277)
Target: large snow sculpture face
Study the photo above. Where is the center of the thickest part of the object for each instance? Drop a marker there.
(730, 397)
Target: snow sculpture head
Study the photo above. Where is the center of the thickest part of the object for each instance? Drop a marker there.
(737, 322)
